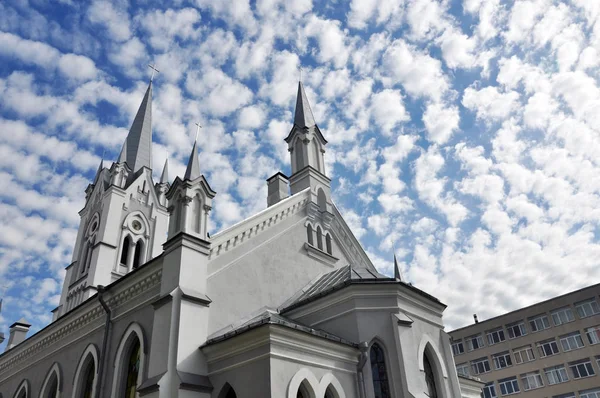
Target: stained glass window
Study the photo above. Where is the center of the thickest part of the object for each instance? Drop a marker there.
(133, 370)
(429, 378)
(381, 384)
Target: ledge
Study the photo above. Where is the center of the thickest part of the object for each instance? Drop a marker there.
(320, 255)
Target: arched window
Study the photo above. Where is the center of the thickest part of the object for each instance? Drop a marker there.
(309, 233)
(319, 238)
(227, 392)
(125, 250)
(22, 393)
(328, 243)
(322, 200)
(381, 385)
(303, 391)
(87, 380)
(50, 386)
(196, 213)
(299, 149)
(132, 370)
(330, 393)
(137, 256)
(429, 377)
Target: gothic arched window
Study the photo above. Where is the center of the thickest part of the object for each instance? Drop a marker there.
(429, 377)
(227, 392)
(137, 256)
(132, 370)
(22, 393)
(125, 250)
(329, 393)
(309, 233)
(87, 386)
(381, 385)
(52, 388)
(319, 238)
(328, 243)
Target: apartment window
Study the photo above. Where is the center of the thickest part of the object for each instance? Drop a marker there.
(489, 391)
(474, 342)
(495, 336)
(595, 393)
(531, 381)
(563, 315)
(582, 369)
(502, 360)
(556, 374)
(567, 395)
(458, 347)
(538, 323)
(593, 335)
(571, 341)
(547, 348)
(524, 354)
(587, 308)
(509, 386)
(481, 365)
(462, 369)
(516, 329)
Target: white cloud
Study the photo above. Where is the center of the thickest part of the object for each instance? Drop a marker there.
(441, 122)
(490, 104)
(115, 20)
(388, 109)
(166, 26)
(252, 117)
(77, 67)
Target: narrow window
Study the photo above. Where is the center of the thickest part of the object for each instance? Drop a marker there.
(429, 377)
(328, 244)
(319, 238)
(489, 391)
(329, 393)
(137, 256)
(52, 388)
(88, 380)
(22, 393)
(196, 214)
(84, 256)
(133, 370)
(381, 385)
(309, 232)
(125, 250)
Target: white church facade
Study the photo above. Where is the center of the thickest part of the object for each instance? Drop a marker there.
(284, 304)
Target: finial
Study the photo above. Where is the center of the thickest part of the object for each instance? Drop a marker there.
(153, 67)
(300, 67)
(197, 130)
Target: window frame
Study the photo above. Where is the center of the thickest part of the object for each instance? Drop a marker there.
(526, 380)
(584, 363)
(533, 323)
(469, 342)
(497, 359)
(520, 350)
(456, 343)
(559, 312)
(569, 339)
(587, 393)
(463, 366)
(513, 382)
(521, 327)
(593, 331)
(581, 304)
(491, 387)
(556, 370)
(482, 360)
(542, 352)
(498, 333)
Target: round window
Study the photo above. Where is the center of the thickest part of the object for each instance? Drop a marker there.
(136, 225)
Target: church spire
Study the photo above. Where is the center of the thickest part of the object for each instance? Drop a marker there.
(193, 167)
(304, 116)
(164, 177)
(137, 149)
(100, 167)
(397, 274)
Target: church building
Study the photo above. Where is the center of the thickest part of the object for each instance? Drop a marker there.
(284, 304)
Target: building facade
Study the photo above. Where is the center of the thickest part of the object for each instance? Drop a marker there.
(283, 304)
(549, 349)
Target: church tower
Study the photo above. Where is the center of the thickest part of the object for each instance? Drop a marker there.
(306, 145)
(124, 220)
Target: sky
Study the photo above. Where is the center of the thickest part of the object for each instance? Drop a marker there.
(463, 133)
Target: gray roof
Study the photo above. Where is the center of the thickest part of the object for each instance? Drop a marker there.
(137, 149)
(304, 116)
(193, 167)
(273, 318)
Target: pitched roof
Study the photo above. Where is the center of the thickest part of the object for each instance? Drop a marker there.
(137, 149)
(193, 167)
(303, 116)
(270, 317)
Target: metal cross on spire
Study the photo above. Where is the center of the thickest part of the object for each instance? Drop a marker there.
(153, 67)
(300, 67)
(197, 130)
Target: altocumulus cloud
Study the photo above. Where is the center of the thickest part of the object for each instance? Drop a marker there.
(468, 131)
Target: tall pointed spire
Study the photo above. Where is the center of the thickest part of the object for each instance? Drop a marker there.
(137, 149)
(304, 116)
(397, 274)
(193, 167)
(164, 177)
(100, 167)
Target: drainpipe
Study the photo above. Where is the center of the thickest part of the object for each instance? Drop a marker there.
(362, 359)
(101, 289)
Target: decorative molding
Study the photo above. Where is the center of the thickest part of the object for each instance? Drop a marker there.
(320, 255)
(64, 327)
(230, 238)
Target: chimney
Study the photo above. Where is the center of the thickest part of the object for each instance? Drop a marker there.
(278, 188)
(18, 333)
(475, 318)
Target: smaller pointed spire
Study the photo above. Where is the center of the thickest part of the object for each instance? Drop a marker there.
(304, 116)
(164, 177)
(100, 168)
(397, 274)
(137, 148)
(193, 167)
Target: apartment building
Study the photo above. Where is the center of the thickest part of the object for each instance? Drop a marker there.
(547, 350)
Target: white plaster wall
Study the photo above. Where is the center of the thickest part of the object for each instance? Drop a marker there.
(263, 271)
(249, 380)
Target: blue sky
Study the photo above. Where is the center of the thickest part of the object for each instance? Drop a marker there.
(466, 133)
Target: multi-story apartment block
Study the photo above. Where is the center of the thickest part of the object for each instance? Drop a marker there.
(547, 350)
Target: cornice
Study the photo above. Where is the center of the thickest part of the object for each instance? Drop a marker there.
(83, 315)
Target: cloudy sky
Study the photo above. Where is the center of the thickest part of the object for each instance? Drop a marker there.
(466, 132)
